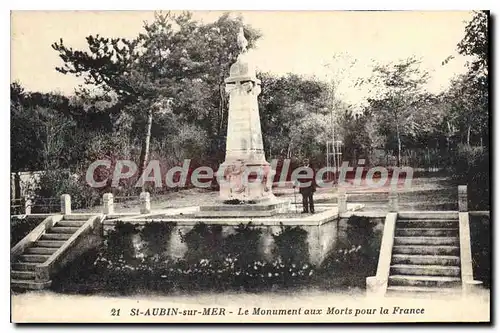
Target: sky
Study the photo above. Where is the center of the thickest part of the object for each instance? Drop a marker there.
(300, 42)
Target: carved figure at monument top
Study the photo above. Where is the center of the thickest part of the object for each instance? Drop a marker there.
(242, 41)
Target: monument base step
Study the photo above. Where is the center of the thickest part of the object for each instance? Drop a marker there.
(260, 209)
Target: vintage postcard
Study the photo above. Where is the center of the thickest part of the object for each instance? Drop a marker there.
(250, 167)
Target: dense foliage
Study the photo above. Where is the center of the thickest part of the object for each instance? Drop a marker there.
(20, 227)
(134, 257)
(356, 255)
(291, 244)
(480, 233)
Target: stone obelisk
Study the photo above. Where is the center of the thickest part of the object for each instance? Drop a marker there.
(247, 176)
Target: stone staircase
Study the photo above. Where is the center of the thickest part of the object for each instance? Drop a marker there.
(425, 255)
(47, 248)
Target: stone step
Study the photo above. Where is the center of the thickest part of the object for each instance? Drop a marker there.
(416, 215)
(24, 266)
(426, 249)
(48, 243)
(429, 270)
(426, 241)
(417, 289)
(425, 260)
(423, 281)
(70, 223)
(39, 258)
(22, 275)
(41, 250)
(409, 232)
(63, 230)
(51, 236)
(367, 197)
(76, 217)
(29, 284)
(406, 224)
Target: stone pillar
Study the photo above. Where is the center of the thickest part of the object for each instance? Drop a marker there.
(471, 287)
(375, 287)
(342, 201)
(393, 201)
(17, 185)
(462, 198)
(12, 187)
(145, 203)
(27, 206)
(108, 204)
(65, 204)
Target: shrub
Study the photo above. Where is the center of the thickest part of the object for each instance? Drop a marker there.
(230, 274)
(20, 227)
(54, 183)
(203, 242)
(291, 244)
(80, 276)
(119, 244)
(156, 236)
(481, 250)
(359, 230)
(17, 206)
(472, 167)
(265, 275)
(356, 257)
(361, 235)
(346, 267)
(211, 263)
(119, 261)
(243, 245)
(202, 275)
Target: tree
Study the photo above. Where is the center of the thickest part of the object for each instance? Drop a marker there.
(292, 112)
(25, 149)
(355, 135)
(176, 63)
(467, 97)
(475, 42)
(43, 130)
(54, 134)
(473, 86)
(399, 96)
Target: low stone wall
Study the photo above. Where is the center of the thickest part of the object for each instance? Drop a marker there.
(321, 237)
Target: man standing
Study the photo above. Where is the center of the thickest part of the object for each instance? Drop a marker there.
(307, 188)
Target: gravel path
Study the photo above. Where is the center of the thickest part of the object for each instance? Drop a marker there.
(425, 193)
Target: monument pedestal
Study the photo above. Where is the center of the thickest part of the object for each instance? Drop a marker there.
(245, 181)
